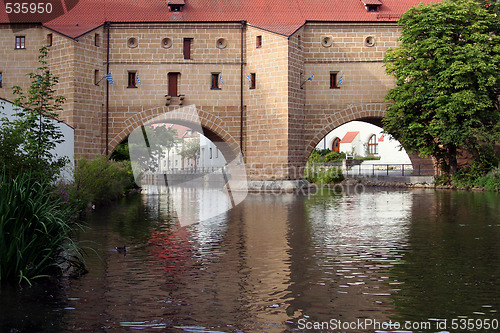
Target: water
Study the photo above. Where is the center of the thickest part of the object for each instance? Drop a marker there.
(280, 264)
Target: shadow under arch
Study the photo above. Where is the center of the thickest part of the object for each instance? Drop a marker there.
(371, 113)
(188, 116)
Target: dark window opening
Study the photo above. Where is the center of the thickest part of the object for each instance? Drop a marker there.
(1, 79)
(97, 40)
(187, 48)
(49, 39)
(175, 8)
(215, 81)
(252, 80)
(172, 83)
(20, 42)
(210, 153)
(96, 76)
(333, 81)
(259, 42)
(132, 82)
(373, 145)
(372, 8)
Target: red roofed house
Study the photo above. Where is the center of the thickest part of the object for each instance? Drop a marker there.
(244, 64)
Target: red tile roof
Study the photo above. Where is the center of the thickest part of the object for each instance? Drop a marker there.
(280, 16)
(372, 2)
(349, 137)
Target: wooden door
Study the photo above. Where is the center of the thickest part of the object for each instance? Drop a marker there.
(172, 83)
(336, 145)
(187, 48)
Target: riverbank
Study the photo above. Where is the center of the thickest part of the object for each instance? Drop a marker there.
(426, 182)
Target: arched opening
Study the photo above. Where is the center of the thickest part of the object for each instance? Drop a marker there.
(364, 142)
(197, 120)
(178, 148)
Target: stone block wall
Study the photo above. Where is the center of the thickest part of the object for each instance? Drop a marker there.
(16, 63)
(266, 123)
(355, 51)
(284, 116)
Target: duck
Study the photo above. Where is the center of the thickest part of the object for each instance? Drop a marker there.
(121, 249)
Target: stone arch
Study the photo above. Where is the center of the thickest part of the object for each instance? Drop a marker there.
(213, 126)
(366, 112)
(371, 113)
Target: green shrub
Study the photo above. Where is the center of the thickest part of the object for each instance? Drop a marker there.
(35, 229)
(326, 156)
(100, 181)
(334, 156)
(323, 175)
(491, 181)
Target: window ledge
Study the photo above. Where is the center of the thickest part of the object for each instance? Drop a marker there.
(132, 87)
(334, 87)
(215, 88)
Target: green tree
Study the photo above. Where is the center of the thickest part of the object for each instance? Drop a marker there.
(30, 139)
(447, 83)
(167, 139)
(190, 149)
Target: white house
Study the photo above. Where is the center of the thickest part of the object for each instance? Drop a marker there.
(358, 138)
(209, 156)
(63, 149)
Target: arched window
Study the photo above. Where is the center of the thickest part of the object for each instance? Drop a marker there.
(373, 145)
(336, 145)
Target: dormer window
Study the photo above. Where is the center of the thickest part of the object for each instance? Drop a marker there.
(175, 6)
(372, 6)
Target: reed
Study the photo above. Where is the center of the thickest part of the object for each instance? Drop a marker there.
(35, 230)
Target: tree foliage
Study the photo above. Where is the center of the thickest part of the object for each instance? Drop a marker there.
(190, 149)
(28, 141)
(158, 141)
(447, 82)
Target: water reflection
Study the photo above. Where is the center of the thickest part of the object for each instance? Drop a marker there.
(273, 261)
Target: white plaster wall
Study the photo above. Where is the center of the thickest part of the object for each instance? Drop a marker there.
(388, 150)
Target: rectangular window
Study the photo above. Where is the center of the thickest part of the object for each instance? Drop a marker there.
(216, 152)
(333, 80)
(1, 79)
(132, 80)
(215, 81)
(259, 42)
(96, 77)
(187, 48)
(49, 39)
(210, 153)
(97, 40)
(252, 80)
(20, 42)
(173, 79)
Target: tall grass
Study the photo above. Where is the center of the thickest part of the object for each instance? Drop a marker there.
(35, 231)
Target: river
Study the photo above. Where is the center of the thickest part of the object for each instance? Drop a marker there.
(351, 260)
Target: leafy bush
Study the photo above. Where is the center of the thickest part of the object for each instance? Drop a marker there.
(326, 156)
(35, 231)
(334, 156)
(100, 181)
(490, 181)
(323, 175)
